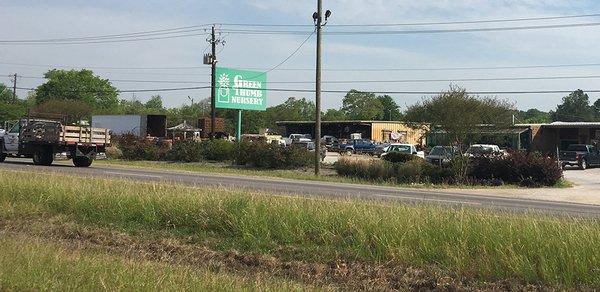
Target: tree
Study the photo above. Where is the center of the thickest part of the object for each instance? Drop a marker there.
(155, 103)
(11, 107)
(391, 110)
(71, 110)
(76, 85)
(6, 95)
(459, 114)
(358, 105)
(575, 107)
(333, 115)
(533, 116)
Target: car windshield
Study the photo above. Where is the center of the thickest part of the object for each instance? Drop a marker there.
(581, 148)
(480, 150)
(438, 150)
(399, 148)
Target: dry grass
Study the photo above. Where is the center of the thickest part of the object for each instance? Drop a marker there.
(558, 252)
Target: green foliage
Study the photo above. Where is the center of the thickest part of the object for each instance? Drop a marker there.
(459, 114)
(533, 116)
(391, 110)
(186, 151)
(217, 150)
(532, 170)
(359, 105)
(272, 156)
(575, 107)
(76, 85)
(133, 148)
(333, 115)
(11, 107)
(72, 110)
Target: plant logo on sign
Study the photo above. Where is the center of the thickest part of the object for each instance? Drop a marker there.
(224, 83)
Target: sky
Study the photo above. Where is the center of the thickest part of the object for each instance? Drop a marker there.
(22, 19)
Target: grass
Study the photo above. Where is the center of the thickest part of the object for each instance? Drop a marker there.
(306, 174)
(31, 264)
(476, 244)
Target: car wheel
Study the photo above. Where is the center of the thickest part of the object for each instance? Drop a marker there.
(82, 161)
(583, 164)
(43, 157)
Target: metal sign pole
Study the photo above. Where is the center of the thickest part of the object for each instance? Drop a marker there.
(238, 135)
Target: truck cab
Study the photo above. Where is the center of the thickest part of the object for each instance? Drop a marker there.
(580, 155)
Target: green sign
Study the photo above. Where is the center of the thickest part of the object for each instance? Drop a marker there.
(241, 89)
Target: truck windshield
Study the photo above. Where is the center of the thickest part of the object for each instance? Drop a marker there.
(399, 148)
(580, 148)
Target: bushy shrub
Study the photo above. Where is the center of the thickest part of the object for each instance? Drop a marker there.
(273, 156)
(113, 152)
(217, 150)
(133, 148)
(532, 170)
(186, 151)
(398, 157)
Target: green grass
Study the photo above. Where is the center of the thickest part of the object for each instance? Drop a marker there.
(305, 174)
(30, 264)
(478, 244)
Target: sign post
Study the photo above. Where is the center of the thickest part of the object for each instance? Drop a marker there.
(241, 90)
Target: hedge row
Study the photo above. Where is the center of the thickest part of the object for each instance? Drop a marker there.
(256, 154)
(531, 170)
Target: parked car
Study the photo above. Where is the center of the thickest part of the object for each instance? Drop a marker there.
(440, 155)
(380, 149)
(297, 138)
(403, 148)
(329, 141)
(480, 150)
(580, 155)
(357, 146)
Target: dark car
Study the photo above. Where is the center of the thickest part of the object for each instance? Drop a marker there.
(580, 155)
(440, 155)
(329, 141)
(357, 146)
(380, 149)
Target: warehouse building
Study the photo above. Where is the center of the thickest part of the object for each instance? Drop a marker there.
(559, 135)
(379, 131)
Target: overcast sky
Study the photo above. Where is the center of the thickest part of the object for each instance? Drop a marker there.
(22, 19)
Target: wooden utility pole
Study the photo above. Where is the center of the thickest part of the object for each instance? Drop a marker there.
(318, 91)
(213, 95)
(15, 86)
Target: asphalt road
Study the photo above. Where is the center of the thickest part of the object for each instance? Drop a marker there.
(322, 189)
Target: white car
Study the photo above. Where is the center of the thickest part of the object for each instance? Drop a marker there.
(483, 150)
(403, 148)
(297, 138)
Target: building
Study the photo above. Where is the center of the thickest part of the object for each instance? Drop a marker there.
(379, 131)
(559, 135)
(138, 125)
(515, 137)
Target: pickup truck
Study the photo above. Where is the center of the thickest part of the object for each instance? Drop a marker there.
(357, 146)
(580, 155)
(42, 139)
(297, 138)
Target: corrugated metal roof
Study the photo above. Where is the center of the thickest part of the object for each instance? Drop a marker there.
(341, 122)
(565, 125)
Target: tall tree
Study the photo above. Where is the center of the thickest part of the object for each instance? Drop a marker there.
(76, 85)
(533, 116)
(334, 115)
(155, 103)
(575, 107)
(11, 107)
(391, 110)
(359, 105)
(459, 114)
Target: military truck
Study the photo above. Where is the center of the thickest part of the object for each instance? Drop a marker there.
(41, 139)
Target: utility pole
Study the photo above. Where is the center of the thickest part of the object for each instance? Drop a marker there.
(319, 23)
(15, 86)
(213, 95)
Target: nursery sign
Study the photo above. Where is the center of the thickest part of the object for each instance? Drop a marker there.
(241, 89)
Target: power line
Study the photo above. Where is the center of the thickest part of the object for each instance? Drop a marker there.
(420, 23)
(335, 91)
(364, 81)
(409, 32)
(44, 42)
(306, 69)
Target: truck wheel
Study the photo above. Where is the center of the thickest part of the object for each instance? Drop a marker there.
(82, 161)
(43, 156)
(583, 164)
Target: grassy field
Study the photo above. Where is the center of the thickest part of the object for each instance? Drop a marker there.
(463, 244)
(31, 264)
(329, 175)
